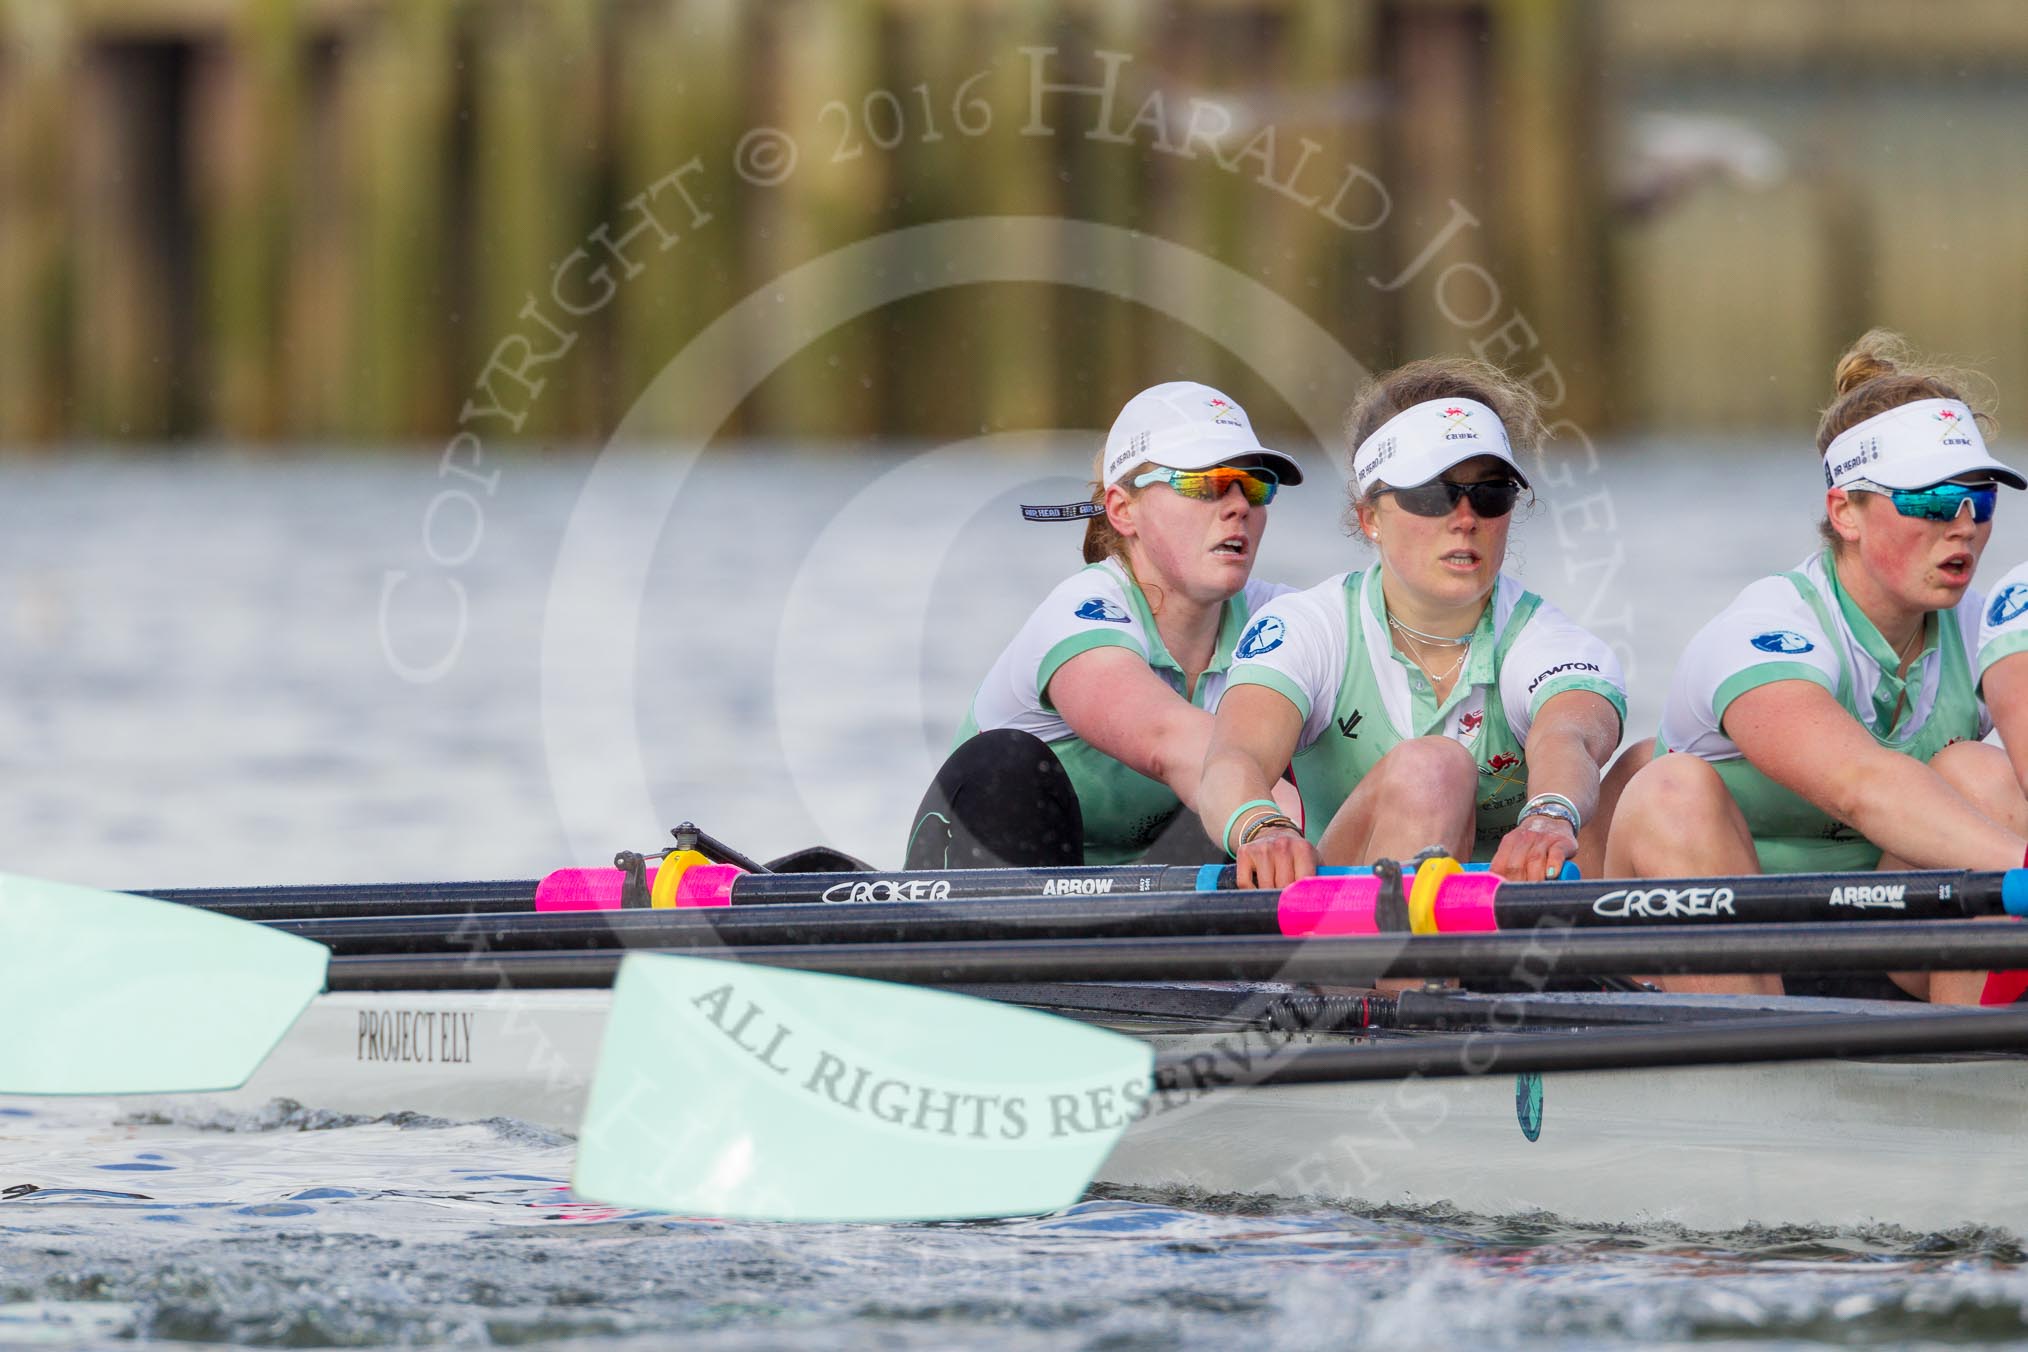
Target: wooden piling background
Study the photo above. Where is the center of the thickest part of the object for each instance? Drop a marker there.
(320, 220)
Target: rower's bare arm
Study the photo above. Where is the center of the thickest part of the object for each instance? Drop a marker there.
(1573, 735)
(1112, 700)
(1799, 736)
(1252, 741)
(2005, 686)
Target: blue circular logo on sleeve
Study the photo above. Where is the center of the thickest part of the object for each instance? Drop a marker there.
(2008, 603)
(1098, 608)
(1781, 641)
(1262, 637)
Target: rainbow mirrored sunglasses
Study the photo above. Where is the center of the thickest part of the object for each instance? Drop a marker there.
(1210, 485)
(1938, 502)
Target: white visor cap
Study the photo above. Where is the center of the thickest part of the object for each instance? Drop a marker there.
(1424, 440)
(1185, 425)
(1914, 446)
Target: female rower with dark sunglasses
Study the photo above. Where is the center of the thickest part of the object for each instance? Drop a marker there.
(1431, 699)
(1085, 740)
(1829, 718)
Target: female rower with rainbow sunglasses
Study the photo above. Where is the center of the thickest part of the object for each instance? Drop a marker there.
(1085, 740)
(1829, 718)
(1431, 699)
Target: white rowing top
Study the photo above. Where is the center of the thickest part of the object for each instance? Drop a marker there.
(1771, 632)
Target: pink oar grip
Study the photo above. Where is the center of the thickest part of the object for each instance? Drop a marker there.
(706, 885)
(584, 889)
(1464, 904)
(1343, 904)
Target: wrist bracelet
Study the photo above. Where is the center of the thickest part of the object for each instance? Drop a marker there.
(1553, 798)
(1552, 805)
(1261, 824)
(1225, 836)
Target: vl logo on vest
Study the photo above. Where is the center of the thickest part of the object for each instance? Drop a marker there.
(1098, 608)
(2008, 603)
(1782, 641)
(1262, 637)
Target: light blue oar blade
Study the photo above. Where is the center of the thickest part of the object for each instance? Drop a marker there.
(106, 993)
(754, 1093)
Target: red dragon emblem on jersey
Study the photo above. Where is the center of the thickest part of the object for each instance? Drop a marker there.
(1503, 761)
(1469, 723)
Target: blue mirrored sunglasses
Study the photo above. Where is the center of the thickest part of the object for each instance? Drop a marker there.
(1938, 502)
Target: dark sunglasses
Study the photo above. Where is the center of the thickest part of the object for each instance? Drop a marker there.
(1438, 497)
(1939, 502)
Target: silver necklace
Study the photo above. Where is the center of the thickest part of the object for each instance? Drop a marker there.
(1463, 645)
(1434, 678)
(1442, 640)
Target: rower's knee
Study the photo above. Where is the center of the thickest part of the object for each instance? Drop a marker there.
(1985, 776)
(1675, 815)
(1430, 775)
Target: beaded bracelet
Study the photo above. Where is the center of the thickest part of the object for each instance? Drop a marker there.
(1261, 824)
(1225, 836)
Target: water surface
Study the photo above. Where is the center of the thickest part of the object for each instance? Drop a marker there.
(206, 685)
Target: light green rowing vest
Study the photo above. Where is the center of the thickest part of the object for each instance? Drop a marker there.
(1790, 834)
(1329, 768)
(1124, 811)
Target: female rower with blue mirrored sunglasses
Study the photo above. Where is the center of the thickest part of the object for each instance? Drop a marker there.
(1830, 718)
(1084, 742)
(1430, 698)
(1938, 502)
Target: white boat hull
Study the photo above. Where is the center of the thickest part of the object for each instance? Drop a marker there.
(1924, 1144)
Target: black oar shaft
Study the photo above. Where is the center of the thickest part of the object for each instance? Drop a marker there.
(1857, 946)
(1775, 898)
(1113, 882)
(1693, 1045)
(877, 923)
(1781, 898)
(298, 902)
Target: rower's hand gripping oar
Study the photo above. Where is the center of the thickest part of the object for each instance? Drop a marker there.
(109, 993)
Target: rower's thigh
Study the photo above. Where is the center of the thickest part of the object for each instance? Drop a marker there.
(1983, 774)
(1676, 818)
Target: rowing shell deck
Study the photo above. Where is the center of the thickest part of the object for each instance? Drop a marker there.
(1925, 1144)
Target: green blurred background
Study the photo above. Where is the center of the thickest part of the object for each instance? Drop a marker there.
(321, 220)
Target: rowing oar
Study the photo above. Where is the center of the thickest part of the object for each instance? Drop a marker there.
(734, 1091)
(101, 992)
(1866, 945)
(108, 993)
(712, 886)
(703, 884)
(745, 1092)
(1339, 904)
